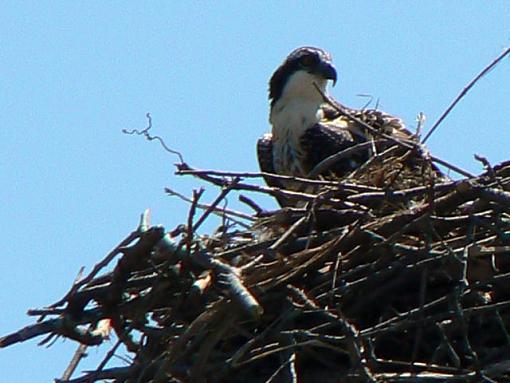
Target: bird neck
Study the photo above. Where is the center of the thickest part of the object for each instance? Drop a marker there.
(299, 106)
(294, 117)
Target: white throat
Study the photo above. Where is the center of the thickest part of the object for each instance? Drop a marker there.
(298, 108)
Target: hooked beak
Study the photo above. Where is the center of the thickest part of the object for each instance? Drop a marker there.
(327, 70)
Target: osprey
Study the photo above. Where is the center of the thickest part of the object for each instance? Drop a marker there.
(305, 129)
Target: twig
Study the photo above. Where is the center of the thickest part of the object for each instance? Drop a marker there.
(191, 214)
(409, 144)
(105, 360)
(149, 137)
(80, 353)
(248, 201)
(328, 162)
(420, 122)
(207, 174)
(220, 211)
(184, 169)
(487, 166)
(276, 192)
(212, 207)
(287, 234)
(452, 167)
(464, 91)
(97, 268)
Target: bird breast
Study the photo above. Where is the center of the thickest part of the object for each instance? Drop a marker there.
(290, 120)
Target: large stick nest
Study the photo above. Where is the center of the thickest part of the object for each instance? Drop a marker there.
(380, 277)
(392, 274)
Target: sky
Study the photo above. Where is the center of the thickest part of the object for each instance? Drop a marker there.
(74, 74)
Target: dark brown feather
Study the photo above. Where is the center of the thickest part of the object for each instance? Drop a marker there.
(265, 158)
(324, 140)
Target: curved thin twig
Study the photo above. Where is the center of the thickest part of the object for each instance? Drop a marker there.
(464, 91)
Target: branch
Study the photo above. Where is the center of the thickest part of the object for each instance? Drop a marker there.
(464, 91)
(149, 137)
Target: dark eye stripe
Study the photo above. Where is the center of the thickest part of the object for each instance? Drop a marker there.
(308, 60)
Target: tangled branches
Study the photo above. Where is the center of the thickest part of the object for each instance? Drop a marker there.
(362, 283)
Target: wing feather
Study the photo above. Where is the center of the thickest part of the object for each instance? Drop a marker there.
(326, 139)
(383, 122)
(265, 158)
(265, 153)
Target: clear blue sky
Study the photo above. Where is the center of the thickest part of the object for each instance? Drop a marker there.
(73, 74)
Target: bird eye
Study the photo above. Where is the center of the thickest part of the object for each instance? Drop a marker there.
(308, 61)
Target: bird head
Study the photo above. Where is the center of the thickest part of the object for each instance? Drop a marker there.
(296, 76)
